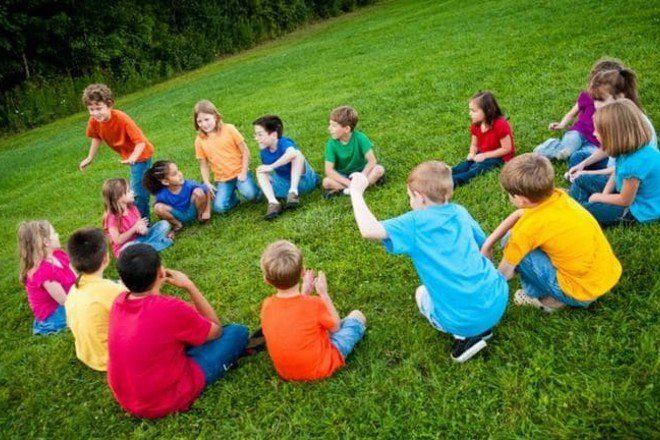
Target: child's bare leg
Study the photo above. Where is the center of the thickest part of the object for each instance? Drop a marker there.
(331, 184)
(375, 174)
(164, 212)
(549, 301)
(297, 168)
(267, 187)
(202, 203)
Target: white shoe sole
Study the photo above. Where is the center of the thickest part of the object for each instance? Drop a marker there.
(470, 352)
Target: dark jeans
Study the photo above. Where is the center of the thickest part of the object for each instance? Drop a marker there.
(469, 169)
(217, 356)
(606, 214)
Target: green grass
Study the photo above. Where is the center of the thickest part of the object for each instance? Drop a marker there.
(409, 68)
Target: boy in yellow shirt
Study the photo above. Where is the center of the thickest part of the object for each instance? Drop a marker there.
(90, 299)
(556, 246)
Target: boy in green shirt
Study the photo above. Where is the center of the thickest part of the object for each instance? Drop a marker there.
(347, 152)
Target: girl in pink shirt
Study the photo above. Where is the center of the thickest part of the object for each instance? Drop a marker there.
(122, 223)
(46, 274)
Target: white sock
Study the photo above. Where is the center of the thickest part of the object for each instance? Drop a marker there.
(293, 190)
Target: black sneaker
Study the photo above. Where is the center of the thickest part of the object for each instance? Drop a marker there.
(464, 349)
(330, 194)
(256, 343)
(381, 181)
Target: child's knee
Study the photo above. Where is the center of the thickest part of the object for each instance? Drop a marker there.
(198, 194)
(161, 209)
(357, 314)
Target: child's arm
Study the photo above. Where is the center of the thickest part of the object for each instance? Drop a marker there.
(93, 149)
(568, 117)
(625, 198)
(245, 153)
(288, 156)
(121, 238)
(604, 171)
(56, 291)
(505, 148)
(367, 223)
(371, 162)
(506, 269)
(180, 280)
(135, 155)
(499, 232)
(334, 175)
(596, 156)
(473, 148)
(206, 176)
(321, 285)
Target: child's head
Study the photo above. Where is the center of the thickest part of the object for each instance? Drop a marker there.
(484, 108)
(163, 173)
(206, 117)
(615, 83)
(98, 100)
(116, 195)
(621, 127)
(282, 265)
(87, 250)
(430, 183)
(528, 179)
(36, 239)
(602, 65)
(343, 121)
(139, 267)
(267, 130)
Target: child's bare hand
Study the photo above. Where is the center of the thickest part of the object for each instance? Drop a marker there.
(470, 156)
(85, 162)
(479, 157)
(242, 176)
(128, 161)
(307, 282)
(556, 126)
(321, 284)
(264, 169)
(359, 183)
(211, 189)
(142, 226)
(487, 252)
(178, 279)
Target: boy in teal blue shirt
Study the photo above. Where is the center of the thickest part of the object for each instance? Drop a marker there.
(461, 293)
(347, 152)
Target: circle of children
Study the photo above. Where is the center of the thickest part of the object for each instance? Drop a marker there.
(161, 352)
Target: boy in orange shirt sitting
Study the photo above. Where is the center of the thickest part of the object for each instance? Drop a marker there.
(305, 338)
(122, 134)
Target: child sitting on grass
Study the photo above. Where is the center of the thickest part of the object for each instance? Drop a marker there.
(285, 172)
(348, 151)
(305, 338)
(221, 147)
(46, 274)
(163, 351)
(492, 140)
(119, 131)
(461, 293)
(179, 201)
(122, 223)
(90, 299)
(556, 246)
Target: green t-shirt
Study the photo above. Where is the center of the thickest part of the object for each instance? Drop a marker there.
(348, 158)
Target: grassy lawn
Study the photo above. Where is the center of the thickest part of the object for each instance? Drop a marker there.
(409, 68)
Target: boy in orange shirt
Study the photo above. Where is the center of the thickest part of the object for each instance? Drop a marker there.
(305, 338)
(120, 133)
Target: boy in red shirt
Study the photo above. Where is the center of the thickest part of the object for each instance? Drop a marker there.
(118, 130)
(305, 338)
(163, 351)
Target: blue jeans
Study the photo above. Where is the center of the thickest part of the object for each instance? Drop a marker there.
(349, 334)
(156, 236)
(219, 355)
(469, 169)
(571, 142)
(281, 185)
(186, 216)
(225, 195)
(606, 214)
(141, 194)
(582, 154)
(56, 322)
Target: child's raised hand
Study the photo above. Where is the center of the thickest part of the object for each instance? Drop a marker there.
(359, 183)
(307, 282)
(178, 279)
(321, 284)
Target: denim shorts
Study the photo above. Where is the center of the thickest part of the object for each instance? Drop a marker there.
(281, 185)
(186, 216)
(217, 356)
(56, 322)
(349, 334)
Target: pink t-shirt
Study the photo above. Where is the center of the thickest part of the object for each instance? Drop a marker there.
(42, 304)
(125, 223)
(149, 372)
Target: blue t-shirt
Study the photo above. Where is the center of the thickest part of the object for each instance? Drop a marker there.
(644, 165)
(268, 157)
(444, 241)
(180, 201)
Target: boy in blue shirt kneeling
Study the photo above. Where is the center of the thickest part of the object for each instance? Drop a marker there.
(461, 293)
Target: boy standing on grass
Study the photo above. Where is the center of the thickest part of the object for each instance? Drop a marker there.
(461, 293)
(90, 299)
(120, 133)
(164, 351)
(305, 338)
(556, 246)
(347, 152)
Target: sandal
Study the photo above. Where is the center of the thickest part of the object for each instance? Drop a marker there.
(520, 298)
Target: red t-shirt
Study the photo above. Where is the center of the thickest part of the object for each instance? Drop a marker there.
(490, 139)
(121, 134)
(149, 372)
(296, 331)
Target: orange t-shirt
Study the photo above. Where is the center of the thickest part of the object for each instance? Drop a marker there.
(121, 134)
(220, 148)
(297, 336)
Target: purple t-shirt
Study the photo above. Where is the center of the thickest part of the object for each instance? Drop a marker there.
(585, 122)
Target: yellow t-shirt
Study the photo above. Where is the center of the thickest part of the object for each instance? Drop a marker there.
(88, 314)
(574, 242)
(221, 150)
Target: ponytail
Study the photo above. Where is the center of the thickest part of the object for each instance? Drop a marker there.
(152, 179)
(628, 86)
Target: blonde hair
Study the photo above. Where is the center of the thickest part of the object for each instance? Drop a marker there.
(112, 191)
(622, 127)
(433, 179)
(282, 264)
(207, 107)
(97, 93)
(529, 175)
(345, 116)
(32, 249)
